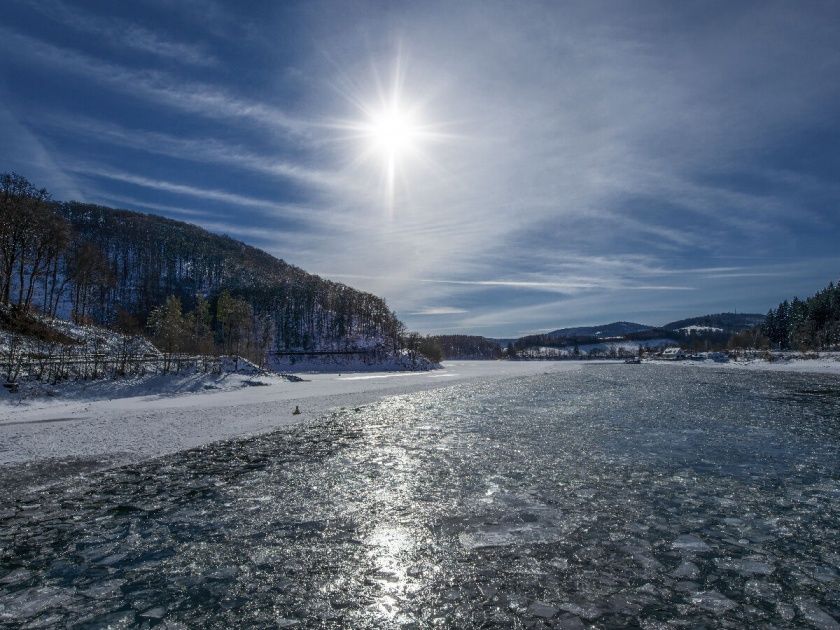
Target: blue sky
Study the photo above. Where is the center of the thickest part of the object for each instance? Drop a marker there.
(574, 163)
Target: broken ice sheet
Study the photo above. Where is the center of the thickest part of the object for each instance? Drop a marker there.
(653, 538)
(33, 601)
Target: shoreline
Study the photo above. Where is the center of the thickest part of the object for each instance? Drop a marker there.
(46, 441)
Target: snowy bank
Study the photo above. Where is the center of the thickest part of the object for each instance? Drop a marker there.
(349, 362)
(812, 363)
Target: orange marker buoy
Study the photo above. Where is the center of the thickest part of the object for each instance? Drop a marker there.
(296, 412)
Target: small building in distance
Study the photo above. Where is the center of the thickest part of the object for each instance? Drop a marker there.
(673, 354)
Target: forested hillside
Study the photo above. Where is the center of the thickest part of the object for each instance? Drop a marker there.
(468, 347)
(118, 268)
(810, 324)
(723, 322)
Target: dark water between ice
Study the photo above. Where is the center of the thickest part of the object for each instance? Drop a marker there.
(616, 496)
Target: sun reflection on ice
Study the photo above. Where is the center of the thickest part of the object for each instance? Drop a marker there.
(389, 548)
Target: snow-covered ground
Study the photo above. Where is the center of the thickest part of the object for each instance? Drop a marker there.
(699, 329)
(143, 420)
(84, 339)
(826, 363)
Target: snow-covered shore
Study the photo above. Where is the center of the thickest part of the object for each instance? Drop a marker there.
(826, 363)
(44, 439)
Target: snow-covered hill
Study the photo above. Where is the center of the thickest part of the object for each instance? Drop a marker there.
(615, 329)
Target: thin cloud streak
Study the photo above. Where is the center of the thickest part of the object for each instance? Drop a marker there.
(180, 189)
(154, 85)
(121, 33)
(268, 207)
(557, 286)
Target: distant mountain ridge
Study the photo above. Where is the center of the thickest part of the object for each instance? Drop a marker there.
(721, 322)
(621, 336)
(615, 329)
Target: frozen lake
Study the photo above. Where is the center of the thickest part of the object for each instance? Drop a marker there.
(611, 496)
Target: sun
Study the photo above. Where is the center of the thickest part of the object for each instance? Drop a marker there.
(395, 136)
(393, 133)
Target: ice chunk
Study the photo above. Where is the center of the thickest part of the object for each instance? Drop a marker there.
(541, 609)
(745, 566)
(713, 602)
(816, 616)
(16, 577)
(113, 559)
(569, 622)
(785, 611)
(506, 535)
(687, 570)
(767, 591)
(103, 590)
(824, 574)
(158, 612)
(559, 563)
(690, 542)
(585, 610)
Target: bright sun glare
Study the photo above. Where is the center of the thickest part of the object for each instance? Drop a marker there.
(393, 132)
(394, 136)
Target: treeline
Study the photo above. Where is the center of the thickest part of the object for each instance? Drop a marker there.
(809, 324)
(34, 246)
(727, 322)
(468, 347)
(117, 268)
(552, 341)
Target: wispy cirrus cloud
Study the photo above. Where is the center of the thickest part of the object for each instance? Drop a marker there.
(561, 284)
(439, 310)
(233, 202)
(123, 34)
(203, 149)
(152, 85)
(177, 188)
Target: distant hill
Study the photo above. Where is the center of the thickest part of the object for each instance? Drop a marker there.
(615, 329)
(717, 323)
